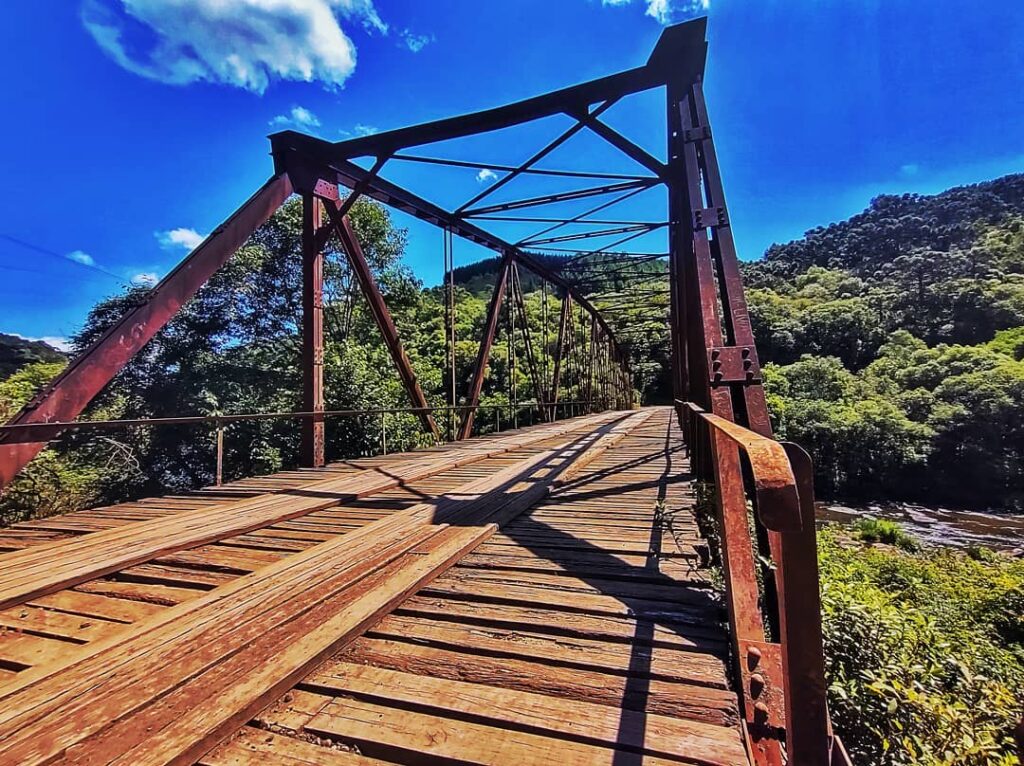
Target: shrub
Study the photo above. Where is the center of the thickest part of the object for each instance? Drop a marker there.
(883, 531)
(923, 654)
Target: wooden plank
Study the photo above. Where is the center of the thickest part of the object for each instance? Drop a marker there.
(163, 595)
(183, 724)
(708, 638)
(118, 709)
(379, 729)
(91, 605)
(19, 650)
(33, 572)
(113, 692)
(51, 624)
(586, 603)
(255, 747)
(717, 706)
(566, 651)
(691, 741)
(650, 588)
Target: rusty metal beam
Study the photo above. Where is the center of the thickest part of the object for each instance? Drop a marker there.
(531, 360)
(549, 199)
(70, 393)
(803, 662)
(484, 354)
(349, 174)
(639, 227)
(624, 145)
(563, 323)
(579, 218)
(509, 168)
(680, 52)
(525, 166)
(381, 315)
(311, 452)
(723, 249)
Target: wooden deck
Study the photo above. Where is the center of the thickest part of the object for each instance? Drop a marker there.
(536, 596)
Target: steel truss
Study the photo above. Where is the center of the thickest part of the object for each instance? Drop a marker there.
(716, 375)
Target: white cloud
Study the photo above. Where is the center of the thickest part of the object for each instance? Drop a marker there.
(415, 42)
(244, 43)
(298, 116)
(668, 11)
(177, 238)
(359, 130)
(145, 278)
(57, 341)
(79, 257)
(486, 175)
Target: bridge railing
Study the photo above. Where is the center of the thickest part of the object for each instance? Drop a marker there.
(776, 623)
(503, 416)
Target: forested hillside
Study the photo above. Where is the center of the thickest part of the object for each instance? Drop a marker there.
(17, 352)
(897, 340)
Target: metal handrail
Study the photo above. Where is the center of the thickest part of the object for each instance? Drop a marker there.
(778, 503)
(784, 502)
(34, 432)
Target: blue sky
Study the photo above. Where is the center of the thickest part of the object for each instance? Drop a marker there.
(131, 126)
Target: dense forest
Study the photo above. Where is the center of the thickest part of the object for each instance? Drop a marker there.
(896, 340)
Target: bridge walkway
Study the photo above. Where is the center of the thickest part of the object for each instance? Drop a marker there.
(536, 596)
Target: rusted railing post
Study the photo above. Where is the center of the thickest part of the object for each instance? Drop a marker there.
(799, 598)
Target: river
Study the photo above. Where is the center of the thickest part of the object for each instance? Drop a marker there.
(937, 526)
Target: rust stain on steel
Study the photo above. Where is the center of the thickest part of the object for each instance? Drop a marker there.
(778, 504)
(484, 354)
(312, 446)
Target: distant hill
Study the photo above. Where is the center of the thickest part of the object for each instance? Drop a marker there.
(16, 352)
(894, 226)
(594, 275)
(947, 267)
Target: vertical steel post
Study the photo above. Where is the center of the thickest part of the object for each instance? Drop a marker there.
(563, 320)
(695, 263)
(385, 323)
(484, 353)
(450, 250)
(312, 452)
(803, 661)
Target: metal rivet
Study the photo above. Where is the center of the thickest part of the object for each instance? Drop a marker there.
(753, 655)
(756, 684)
(760, 710)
